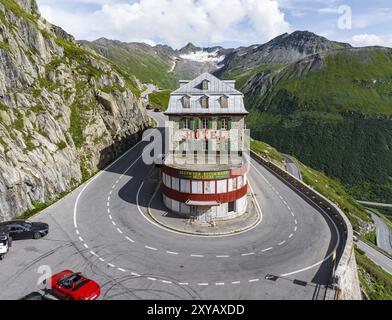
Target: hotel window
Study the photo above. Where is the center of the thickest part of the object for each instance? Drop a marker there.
(222, 186)
(186, 123)
(185, 185)
(224, 102)
(168, 181)
(240, 182)
(209, 187)
(197, 187)
(186, 102)
(204, 85)
(204, 102)
(205, 123)
(231, 184)
(175, 184)
(224, 123)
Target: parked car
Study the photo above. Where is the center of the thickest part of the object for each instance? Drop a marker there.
(157, 110)
(69, 285)
(36, 296)
(5, 241)
(20, 229)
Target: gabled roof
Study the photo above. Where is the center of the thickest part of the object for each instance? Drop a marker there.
(216, 86)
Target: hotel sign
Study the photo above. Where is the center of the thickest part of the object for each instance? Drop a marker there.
(201, 175)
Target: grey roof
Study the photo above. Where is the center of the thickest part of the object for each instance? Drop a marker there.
(216, 86)
(216, 89)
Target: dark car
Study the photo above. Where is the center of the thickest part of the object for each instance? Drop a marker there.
(37, 296)
(26, 230)
(157, 110)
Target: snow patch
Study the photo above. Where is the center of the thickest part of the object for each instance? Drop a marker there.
(203, 56)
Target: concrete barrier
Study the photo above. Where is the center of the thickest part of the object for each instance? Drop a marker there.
(344, 280)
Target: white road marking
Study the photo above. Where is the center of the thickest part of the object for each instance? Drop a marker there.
(81, 239)
(114, 223)
(111, 265)
(135, 274)
(85, 245)
(292, 213)
(183, 283)
(247, 254)
(203, 284)
(107, 204)
(223, 256)
(119, 230)
(129, 239)
(283, 242)
(152, 279)
(295, 229)
(268, 249)
(291, 235)
(101, 172)
(100, 259)
(165, 281)
(77, 231)
(108, 199)
(121, 269)
(197, 255)
(219, 283)
(150, 248)
(172, 252)
(93, 253)
(253, 280)
(295, 221)
(110, 217)
(236, 282)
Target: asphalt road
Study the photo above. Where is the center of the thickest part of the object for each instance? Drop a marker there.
(380, 259)
(376, 204)
(99, 229)
(292, 167)
(384, 236)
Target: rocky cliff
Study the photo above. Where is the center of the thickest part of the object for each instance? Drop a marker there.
(64, 111)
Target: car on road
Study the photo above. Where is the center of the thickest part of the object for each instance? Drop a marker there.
(157, 110)
(69, 285)
(36, 296)
(149, 107)
(5, 241)
(21, 229)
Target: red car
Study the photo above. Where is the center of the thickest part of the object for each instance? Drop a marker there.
(157, 110)
(69, 285)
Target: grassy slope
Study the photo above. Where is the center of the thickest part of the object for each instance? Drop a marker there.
(351, 80)
(160, 99)
(376, 282)
(146, 67)
(343, 107)
(327, 186)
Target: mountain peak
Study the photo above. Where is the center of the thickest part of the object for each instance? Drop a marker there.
(189, 46)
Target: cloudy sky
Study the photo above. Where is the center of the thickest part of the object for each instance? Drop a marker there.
(229, 23)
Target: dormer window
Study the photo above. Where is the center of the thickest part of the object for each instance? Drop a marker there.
(186, 102)
(205, 102)
(224, 102)
(204, 84)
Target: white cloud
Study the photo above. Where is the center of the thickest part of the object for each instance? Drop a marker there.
(174, 22)
(364, 40)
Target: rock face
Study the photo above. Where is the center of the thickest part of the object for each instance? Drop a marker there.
(64, 111)
(286, 48)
